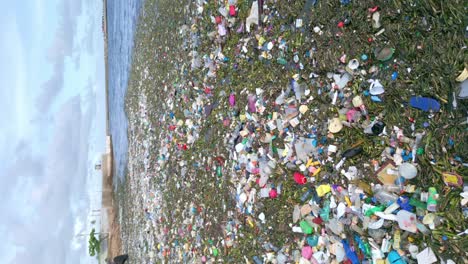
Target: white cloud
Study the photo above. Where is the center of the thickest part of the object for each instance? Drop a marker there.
(13, 78)
(44, 162)
(62, 47)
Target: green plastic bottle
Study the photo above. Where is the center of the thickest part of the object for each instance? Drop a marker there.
(432, 199)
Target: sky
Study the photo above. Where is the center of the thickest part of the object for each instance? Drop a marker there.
(52, 133)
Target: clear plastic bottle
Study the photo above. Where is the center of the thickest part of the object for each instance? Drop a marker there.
(384, 196)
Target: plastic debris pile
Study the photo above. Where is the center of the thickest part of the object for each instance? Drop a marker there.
(285, 135)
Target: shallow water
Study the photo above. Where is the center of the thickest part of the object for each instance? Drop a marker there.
(122, 18)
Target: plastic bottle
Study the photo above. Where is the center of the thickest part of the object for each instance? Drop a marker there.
(432, 200)
(385, 197)
(352, 256)
(306, 195)
(390, 188)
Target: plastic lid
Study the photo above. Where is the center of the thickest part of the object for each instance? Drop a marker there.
(407, 170)
(335, 125)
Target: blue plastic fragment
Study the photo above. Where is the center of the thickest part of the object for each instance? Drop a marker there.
(394, 76)
(404, 204)
(351, 254)
(406, 155)
(314, 142)
(375, 98)
(424, 103)
(395, 258)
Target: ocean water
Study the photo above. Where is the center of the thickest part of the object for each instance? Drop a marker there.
(122, 17)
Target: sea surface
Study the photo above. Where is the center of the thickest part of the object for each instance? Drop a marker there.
(122, 17)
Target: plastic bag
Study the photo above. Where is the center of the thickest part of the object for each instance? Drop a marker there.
(253, 17)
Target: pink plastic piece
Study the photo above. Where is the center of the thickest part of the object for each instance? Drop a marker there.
(232, 99)
(351, 115)
(273, 193)
(232, 10)
(307, 252)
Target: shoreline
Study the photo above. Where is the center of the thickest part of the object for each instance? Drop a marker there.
(111, 243)
(106, 64)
